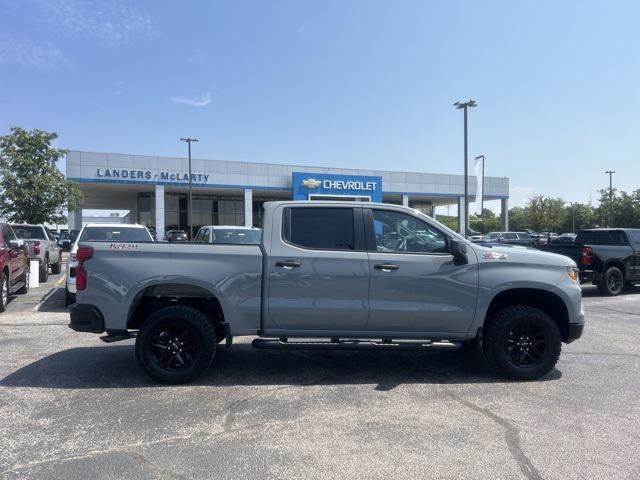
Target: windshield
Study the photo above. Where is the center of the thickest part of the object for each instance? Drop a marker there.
(115, 234)
(237, 236)
(26, 232)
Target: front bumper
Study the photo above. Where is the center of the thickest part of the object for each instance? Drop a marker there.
(85, 318)
(575, 331)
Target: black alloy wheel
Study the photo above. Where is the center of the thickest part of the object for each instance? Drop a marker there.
(612, 282)
(176, 344)
(525, 345)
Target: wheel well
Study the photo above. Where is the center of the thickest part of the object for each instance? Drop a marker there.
(153, 298)
(615, 263)
(548, 302)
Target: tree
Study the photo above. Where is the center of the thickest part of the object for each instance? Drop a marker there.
(32, 189)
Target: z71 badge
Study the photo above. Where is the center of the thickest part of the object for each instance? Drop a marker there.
(127, 247)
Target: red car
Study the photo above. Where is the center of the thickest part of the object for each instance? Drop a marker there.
(14, 265)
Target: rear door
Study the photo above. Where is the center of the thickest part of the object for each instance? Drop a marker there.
(318, 270)
(416, 287)
(16, 255)
(634, 239)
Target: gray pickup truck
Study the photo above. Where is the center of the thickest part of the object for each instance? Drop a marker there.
(43, 247)
(330, 275)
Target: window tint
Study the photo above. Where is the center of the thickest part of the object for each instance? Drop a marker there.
(402, 233)
(509, 236)
(115, 234)
(601, 237)
(27, 232)
(321, 228)
(240, 236)
(635, 239)
(524, 236)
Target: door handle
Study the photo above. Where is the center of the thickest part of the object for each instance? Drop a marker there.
(288, 264)
(386, 267)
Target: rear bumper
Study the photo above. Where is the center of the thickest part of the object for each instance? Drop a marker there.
(575, 331)
(85, 318)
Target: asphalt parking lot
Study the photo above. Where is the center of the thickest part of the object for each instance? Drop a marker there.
(73, 407)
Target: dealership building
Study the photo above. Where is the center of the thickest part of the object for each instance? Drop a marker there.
(154, 190)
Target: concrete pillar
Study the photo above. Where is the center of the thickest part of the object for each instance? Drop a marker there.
(504, 204)
(248, 207)
(160, 212)
(462, 228)
(405, 200)
(74, 220)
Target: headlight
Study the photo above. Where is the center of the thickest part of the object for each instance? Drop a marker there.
(573, 273)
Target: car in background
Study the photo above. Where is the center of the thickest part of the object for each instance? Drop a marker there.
(476, 238)
(491, 236)
(117, 233)
(42, 247)
(508, 238)
(229, 235)
(14, 265)
(67, 239)
(564, 239)
(176, 236)
(545, 238)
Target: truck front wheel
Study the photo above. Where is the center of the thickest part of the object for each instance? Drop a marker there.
(176, 344)
(522, 342)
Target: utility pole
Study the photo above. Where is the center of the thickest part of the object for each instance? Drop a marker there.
(464, 106)
(189, 140)
(610, 173)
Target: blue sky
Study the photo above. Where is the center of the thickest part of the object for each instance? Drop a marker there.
(338, 83)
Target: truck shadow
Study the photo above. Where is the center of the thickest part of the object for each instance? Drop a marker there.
(242, 365)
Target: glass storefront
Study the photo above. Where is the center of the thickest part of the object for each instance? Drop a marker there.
(207, 210)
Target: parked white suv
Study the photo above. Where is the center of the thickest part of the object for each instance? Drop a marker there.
(117, 232)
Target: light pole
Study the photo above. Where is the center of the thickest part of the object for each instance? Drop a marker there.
(189, 140)
(610, 173)
(464, 106)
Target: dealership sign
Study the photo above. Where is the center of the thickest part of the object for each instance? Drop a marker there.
(316, 185)
(148, 175)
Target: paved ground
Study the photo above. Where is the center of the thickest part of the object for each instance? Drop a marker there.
(73, 407)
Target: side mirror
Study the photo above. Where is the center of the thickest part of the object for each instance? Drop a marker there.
(458, 249)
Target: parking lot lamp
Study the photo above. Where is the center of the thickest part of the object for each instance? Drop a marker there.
(189, 140)
(464, 106)
(610, 173)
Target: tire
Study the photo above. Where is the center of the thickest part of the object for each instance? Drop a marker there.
(512, 345)
(612, 282)
(4, 292)
(25, 288)
(69, 297)
(161, 357)
(56, 268)
(44, 271)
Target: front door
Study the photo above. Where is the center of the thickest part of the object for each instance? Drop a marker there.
(416, 286)
(318, 271)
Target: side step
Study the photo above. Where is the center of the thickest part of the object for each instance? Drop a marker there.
(350, 344)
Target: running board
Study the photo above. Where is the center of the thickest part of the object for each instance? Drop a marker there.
(349, 344)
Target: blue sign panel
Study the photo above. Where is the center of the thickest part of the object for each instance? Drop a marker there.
(317, 185)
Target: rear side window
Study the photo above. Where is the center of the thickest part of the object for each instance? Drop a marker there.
(320, 228)
(510, 236)
(635, 239)
(524, 236)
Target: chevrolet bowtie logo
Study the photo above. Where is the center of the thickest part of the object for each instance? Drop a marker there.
(311, 183)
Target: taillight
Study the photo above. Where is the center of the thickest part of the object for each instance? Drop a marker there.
(83, 253)
(585, 259)
(36, 248)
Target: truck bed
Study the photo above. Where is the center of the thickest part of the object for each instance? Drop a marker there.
(119, 275)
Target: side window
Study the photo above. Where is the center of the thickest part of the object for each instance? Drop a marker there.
(524, 236)
(320, 228)
(199, 235)
(7, 234)
(401, 233)
(206, 237)
(635, 239)
(510, 236)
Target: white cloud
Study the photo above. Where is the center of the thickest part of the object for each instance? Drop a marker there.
(22, 51)
(520, 196)
(110, 21)
(201, 101)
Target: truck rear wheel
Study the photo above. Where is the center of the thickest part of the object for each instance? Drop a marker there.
(522, 343)
(44, 271)
(176, 344)
(56, 268)
(612, 282)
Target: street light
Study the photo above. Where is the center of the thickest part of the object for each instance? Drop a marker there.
(464, 106)
(610, 173)
(189, 140)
